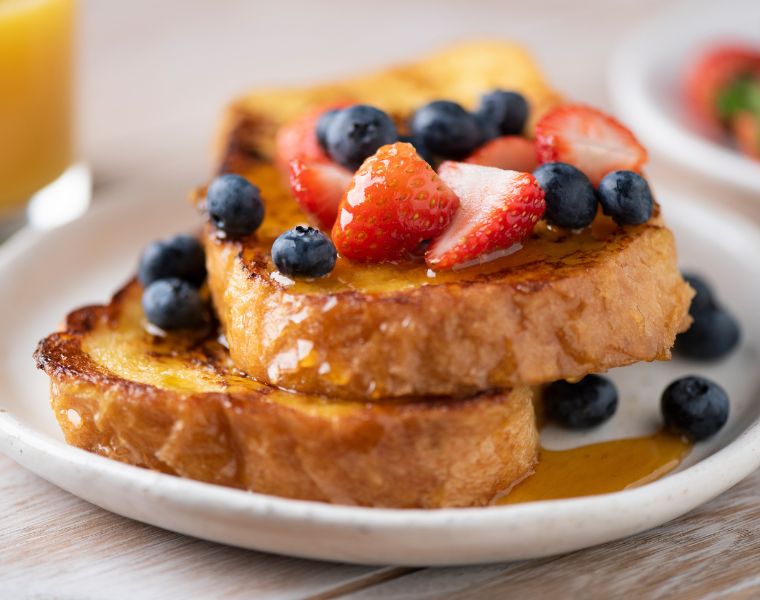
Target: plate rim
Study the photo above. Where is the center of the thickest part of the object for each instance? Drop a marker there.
(743, 453)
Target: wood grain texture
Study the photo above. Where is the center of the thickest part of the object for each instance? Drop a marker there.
(709, 553)
(54, 545)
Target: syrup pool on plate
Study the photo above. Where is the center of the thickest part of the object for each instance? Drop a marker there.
(600, 468)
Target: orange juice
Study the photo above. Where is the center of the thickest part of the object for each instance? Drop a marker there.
(36, 68)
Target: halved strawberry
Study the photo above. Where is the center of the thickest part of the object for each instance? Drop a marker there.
(498, 209)
(746, 129)
(588, 139)
(318, 188)
(511, 152)
(394, 203)
(298, 139)
(712, 73)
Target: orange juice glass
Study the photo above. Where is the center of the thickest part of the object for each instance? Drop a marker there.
(36, 73)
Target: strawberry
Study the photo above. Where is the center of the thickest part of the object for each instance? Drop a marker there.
(588, 139)
(716, 70)
(746, 129)
(318, 187)
(507, 152)
(298, 139)
(394, 203)
(498, 209)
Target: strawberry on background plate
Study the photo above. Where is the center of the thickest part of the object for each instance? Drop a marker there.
(498, 208)
(512, 152)
(713, 72)
(746, 128)
(394, 202)
(588, 139)
(298, 138)
(318, 187)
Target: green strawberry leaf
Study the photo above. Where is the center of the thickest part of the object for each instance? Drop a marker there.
(743, 95)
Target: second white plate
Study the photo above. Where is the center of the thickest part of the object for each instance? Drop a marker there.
(645, 81)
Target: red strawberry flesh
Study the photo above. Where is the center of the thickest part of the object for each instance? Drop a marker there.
(498, 208)
(588, 139)
(318, 188)
(511, 152)
(394, 202)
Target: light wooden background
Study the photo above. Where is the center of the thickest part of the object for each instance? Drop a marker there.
(154, 75)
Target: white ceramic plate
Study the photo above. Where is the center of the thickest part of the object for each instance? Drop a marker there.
(44, 276)
(645, 77)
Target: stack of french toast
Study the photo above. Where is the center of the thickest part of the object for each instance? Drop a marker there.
(381, 358)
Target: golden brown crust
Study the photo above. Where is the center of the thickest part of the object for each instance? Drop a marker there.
(587, 311)
(563, 306)
(177, 405)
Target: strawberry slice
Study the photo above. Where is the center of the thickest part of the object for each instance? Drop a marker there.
(712, 73)
(588, 139)
(498, 209)
(318, 188)
(394, 203)
(511, 152)
(298, 139)
(746, 129)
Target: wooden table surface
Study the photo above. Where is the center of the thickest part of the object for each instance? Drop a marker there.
(153, 78)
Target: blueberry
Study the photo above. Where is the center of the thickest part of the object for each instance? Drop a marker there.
(304, 252)
(356, 133)
(582, 405)
(234, 205)
(703, 298)
(181, 256)
(323, 124)
(625, 196)
(570, 197)
(421, 149)
(713, 334)
(695, 406)
(488, 129)
(173, 304)
(446, 129)
(508, 111)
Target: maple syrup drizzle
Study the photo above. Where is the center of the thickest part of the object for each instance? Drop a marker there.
(600, 468)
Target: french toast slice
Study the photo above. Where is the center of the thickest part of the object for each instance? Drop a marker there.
(564, 305)
(176, 404)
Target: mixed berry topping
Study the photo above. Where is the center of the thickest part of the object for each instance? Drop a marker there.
(318, 188)
(714, 332)
(356, 132)
(625, 196)
(499, 208)
(695, 407)
(510, 152)
(394, 203)
(323, 125)
(588, 139)
(447, 129)
(582, 405)
(420, 148)
(570, 198)
(171, 271)
(507, 111)
(300, 138)
(173, 304)
(181, 256)
(304, 252)
(234, 205)
(378, 191)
